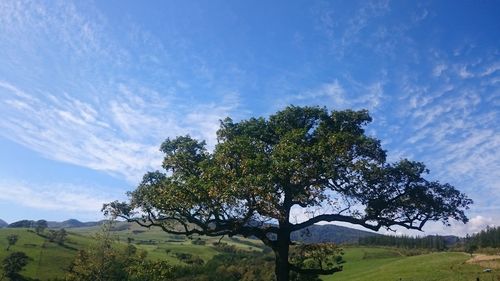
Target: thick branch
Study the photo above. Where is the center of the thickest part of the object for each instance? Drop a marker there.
(363, 222)
(226, 228)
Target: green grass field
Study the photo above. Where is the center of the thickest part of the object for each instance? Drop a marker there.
(386, 264)
(49, 260)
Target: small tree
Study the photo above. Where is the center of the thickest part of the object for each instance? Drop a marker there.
(150, 270)
(11, 240)
(40, 226)
(98, 262)
(13, 264)
(106, 261)
(61, 236)
(470, 248)
(304, 159)
(52, 235)
(58, 236)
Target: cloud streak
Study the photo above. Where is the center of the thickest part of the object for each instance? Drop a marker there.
(120, 136)
(100, 115)
(336, 96)
(56, 197)
(452, 125)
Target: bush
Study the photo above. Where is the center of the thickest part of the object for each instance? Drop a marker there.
(226, 248)
(198, 242)
(189, 259)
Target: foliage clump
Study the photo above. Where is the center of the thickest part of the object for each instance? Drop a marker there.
(11, 240)
(106, 261)
(13, 264)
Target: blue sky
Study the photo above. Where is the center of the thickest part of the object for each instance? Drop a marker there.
(89, 90)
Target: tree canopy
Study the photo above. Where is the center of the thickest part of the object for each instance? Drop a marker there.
(301, 160)
(106, 261)
(13, 264)
(11, 240)
(40, 226)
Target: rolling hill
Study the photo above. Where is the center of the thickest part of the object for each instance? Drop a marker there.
(330, 233)
(72, 223)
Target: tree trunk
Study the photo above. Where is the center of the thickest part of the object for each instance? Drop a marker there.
(282, 267)
(282, 248)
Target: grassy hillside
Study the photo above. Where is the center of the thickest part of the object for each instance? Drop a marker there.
(164, 246)
(382, 264)
(49, 260)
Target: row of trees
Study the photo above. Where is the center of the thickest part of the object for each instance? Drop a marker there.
(57, 236)
(489, 237)
(435, 243)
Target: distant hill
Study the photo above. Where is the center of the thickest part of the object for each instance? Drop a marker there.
(71, 223)
(330, 233)
(22, 223)
(3, 223)
(451, 240)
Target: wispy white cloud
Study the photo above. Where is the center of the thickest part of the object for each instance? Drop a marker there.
(204, 120)
(475, 224)
(374, 96)
(335, 95)
(333, 91)
(344, 32)
(451, 125)
(420, 15)
(439, 69)
(120, 136)
(69, 91)
(463, 72)
(491, 69)
(55, 197)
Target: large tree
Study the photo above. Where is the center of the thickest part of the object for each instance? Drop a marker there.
(301, 160)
